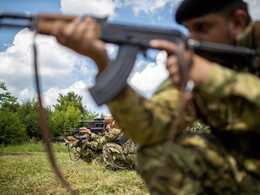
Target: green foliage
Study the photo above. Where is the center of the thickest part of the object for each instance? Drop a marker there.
(67, 113)
(71, 99)
(72, 115)
(56, 122)
(11, 129)
(19, 122)
(29, 117)
(6, 99)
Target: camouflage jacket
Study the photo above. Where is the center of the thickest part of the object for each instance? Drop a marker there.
(231, 99)
(98, 141)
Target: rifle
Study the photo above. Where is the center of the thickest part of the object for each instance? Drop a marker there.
(61, 138)
(131, 40)
(97, 126)
(96, 130)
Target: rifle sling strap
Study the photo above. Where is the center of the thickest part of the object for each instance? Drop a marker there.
(45, 127)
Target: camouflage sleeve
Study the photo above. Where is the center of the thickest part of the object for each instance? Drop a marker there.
(98, 141)
(113, 135)
(240, 93)
(94, 136)
(146, 121)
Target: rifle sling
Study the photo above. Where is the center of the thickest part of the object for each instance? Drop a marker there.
(123, 139)
(45, 127)
(185, 98)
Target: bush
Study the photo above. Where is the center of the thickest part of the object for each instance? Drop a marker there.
(11, 129)
(28, 116)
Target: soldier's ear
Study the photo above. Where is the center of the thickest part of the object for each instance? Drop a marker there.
(238, 22)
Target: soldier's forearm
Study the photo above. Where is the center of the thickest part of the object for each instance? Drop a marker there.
(144, 121)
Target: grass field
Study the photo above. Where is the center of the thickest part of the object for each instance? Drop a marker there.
(25, 169)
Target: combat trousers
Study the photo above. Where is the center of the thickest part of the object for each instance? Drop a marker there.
(195, 164)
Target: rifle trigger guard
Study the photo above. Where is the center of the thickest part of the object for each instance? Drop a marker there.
(114, 78)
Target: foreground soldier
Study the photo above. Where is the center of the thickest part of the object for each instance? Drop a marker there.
(118, 151)
(226, 162)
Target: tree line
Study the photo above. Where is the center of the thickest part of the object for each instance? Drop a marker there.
(19, 121)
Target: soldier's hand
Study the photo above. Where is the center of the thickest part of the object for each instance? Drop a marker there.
(85, 130)
(81, 35)
(197, 71)
(86, 142)
(66, 141)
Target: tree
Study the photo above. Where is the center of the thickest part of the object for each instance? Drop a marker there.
(28, 115)
(71, 99)
(11, 129)
(6, 99)
(67, 113)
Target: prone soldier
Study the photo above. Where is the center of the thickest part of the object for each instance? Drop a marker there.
(118, 151)
(77, 149)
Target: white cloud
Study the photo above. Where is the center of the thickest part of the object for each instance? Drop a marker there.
(254, 8)
(147, 81)
(111, 49)
(58, 66)
(90, 7)
(146, 6)
(26, 94)
(80, 88)
(149, 6)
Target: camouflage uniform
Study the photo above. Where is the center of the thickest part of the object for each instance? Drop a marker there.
(224, 162)
(117, 153)
(88, 155)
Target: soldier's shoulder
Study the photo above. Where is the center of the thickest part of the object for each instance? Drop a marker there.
(115, 131)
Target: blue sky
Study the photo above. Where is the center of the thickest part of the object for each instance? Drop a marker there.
(22, 6)
(63, 70)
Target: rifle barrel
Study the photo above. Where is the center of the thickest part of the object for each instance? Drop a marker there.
(221, 48)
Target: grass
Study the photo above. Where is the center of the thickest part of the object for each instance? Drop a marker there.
(25, 169)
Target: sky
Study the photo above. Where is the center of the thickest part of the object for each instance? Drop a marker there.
(61, 69)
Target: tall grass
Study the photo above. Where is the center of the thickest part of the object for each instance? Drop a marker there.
(25, 169)
(33, 146)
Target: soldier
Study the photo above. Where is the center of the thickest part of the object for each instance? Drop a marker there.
(117, 150)
(78, 149)
(226, 162)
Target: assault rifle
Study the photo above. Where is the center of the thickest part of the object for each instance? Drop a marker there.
(97, 126)
(131, 40)
(96, 130)
(61, 138)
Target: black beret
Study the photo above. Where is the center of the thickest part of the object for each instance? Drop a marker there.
(189, 9)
